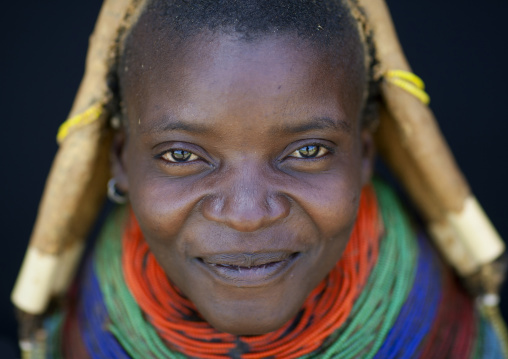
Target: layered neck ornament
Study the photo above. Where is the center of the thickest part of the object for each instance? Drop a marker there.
(177, 321)
(387, 297)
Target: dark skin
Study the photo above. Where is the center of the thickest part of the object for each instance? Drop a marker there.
(244, 163)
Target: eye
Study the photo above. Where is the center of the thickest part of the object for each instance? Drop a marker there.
(310, 151)
(179, 156)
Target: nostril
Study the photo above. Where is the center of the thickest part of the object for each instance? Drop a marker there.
(279, 206)
(246, 213)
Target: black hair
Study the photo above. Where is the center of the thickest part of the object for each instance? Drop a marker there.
(318, 21)
(327, 24)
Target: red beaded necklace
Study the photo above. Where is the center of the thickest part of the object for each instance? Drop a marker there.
(324, 311)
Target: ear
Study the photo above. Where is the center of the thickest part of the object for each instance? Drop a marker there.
(117, 159)
(368, 152)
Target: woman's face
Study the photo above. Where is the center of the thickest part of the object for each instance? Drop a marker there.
(244, 163)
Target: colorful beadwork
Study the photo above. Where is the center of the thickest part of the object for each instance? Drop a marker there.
(405, 305)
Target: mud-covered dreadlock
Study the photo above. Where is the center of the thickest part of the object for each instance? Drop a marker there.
(328, 25)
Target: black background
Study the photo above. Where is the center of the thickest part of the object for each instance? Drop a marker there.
(458, 47)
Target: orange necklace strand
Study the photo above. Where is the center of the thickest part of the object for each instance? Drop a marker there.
(324, 311)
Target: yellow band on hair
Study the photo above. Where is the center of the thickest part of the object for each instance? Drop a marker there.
(409, 82)
(90, 115)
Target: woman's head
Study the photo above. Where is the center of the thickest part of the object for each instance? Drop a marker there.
(245, 149)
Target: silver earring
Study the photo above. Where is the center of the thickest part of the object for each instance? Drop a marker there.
(114, 194)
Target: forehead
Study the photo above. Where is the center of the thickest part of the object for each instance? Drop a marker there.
(201, 76)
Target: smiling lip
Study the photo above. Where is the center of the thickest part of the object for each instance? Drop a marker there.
(248, 269)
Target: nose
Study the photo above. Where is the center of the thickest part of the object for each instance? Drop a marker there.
(246, 204)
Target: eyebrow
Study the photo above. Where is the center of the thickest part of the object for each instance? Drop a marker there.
(313, 124)
(177, 125)
(318, 124)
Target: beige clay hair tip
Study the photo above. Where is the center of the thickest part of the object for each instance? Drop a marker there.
(76, 185)
(411, 143)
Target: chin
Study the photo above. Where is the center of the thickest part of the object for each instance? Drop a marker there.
(249, 321)
(250, 311)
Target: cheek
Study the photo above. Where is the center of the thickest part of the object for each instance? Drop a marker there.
(332, 202)
(162, 204)
(333, 209)
(164, 210)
